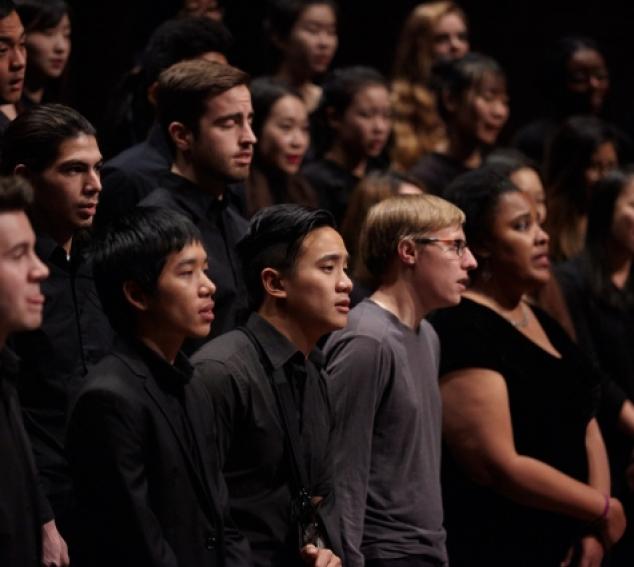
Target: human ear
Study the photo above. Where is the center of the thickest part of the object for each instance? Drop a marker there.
(151, 93)
(273, 283)
(406, 251)
(135, 295)
(181, 136)
(21, 170)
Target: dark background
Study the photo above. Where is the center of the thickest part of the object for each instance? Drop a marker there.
(109, 34)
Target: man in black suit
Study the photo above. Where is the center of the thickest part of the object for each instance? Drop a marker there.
(141, 437)
(28, 535)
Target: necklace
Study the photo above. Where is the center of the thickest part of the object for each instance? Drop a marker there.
(523, 321)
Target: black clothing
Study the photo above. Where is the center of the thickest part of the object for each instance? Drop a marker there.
(534, 139)
(551, 401)
(605, 332)
(252, 438)
(222, 227)
(74, 335)
(333, 185)
(436, 171)
(21, 518)
(132, 175)
(142, 448)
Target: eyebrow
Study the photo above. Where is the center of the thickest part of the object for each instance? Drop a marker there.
(191, 262)
(20, 246)
(334, 256)
(235, 116)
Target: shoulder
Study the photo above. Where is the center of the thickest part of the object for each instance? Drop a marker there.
(160, 197)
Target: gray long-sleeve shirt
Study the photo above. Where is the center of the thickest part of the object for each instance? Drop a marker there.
(383, 379)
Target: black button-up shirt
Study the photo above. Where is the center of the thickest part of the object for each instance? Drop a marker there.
(222, 227)
(252, 438)
(55, 358)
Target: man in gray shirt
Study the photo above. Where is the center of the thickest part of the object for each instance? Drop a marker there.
(383, 375)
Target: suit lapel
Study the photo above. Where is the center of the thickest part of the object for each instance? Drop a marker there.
(158, 396)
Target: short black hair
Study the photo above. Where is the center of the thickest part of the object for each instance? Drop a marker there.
(509, 160)
(6, 8)
(273, 240)
(181, 39)
(16, 194)
(478, 193)
(34, 137)
(39, 15)
(135, 247)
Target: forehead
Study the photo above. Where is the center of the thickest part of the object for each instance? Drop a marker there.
(82, 147)
(235, 100)
(194, 251)
(450, 22)
(372, 93)
(586, 57)
(214, 57)
(321, 13)
(14, 229)
(490, 81)
(289, 105)
(11, 27)
(322, 241)
(449, 232)
(512, 204)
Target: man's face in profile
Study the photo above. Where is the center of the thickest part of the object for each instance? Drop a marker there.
(12, 58)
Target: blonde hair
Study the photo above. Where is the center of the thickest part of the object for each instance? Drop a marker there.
(417, 127)
(396, 218)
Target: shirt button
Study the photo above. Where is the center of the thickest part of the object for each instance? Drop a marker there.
(211, 542)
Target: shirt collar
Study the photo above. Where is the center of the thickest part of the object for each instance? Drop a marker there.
(277, 348)
(199, 203)
(173, 376)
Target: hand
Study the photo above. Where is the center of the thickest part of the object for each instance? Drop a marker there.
(54, 549)
(613, 525)
(319, 557)
(587, 553)
(591, 552)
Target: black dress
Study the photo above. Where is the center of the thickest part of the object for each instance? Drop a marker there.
(551, 402)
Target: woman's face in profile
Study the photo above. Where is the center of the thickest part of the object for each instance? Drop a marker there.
(518, 247)
(313, 39)
(285, 135)
(623, 218)
(49, 49)
(450, 37)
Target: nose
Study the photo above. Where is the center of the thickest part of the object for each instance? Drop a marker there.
(39, 270)
(18, 58)
(93, 181)
(541, 237)
(207, 285)
(248, 136)
(500, 110)
(345, 283)
(468, 260)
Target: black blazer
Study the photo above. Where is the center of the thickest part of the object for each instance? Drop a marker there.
(143, 501)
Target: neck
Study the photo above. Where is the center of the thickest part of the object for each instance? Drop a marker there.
(205, 180)
(154, 336)
(504, 295)
(621, 264)
(62, 235)
(398, 296)
(9, 110)
(467, 152)
(296, 78)
(355, 164)
(34, 95)
(295, 331)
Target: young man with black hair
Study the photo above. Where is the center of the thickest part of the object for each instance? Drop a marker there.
(134, 173)
(270, 397)
(141, 436)
(206, 110)
(12, 58)
(28, 535)
(383, 378)
(55, 148)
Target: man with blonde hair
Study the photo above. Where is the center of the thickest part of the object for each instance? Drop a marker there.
(383, 375)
